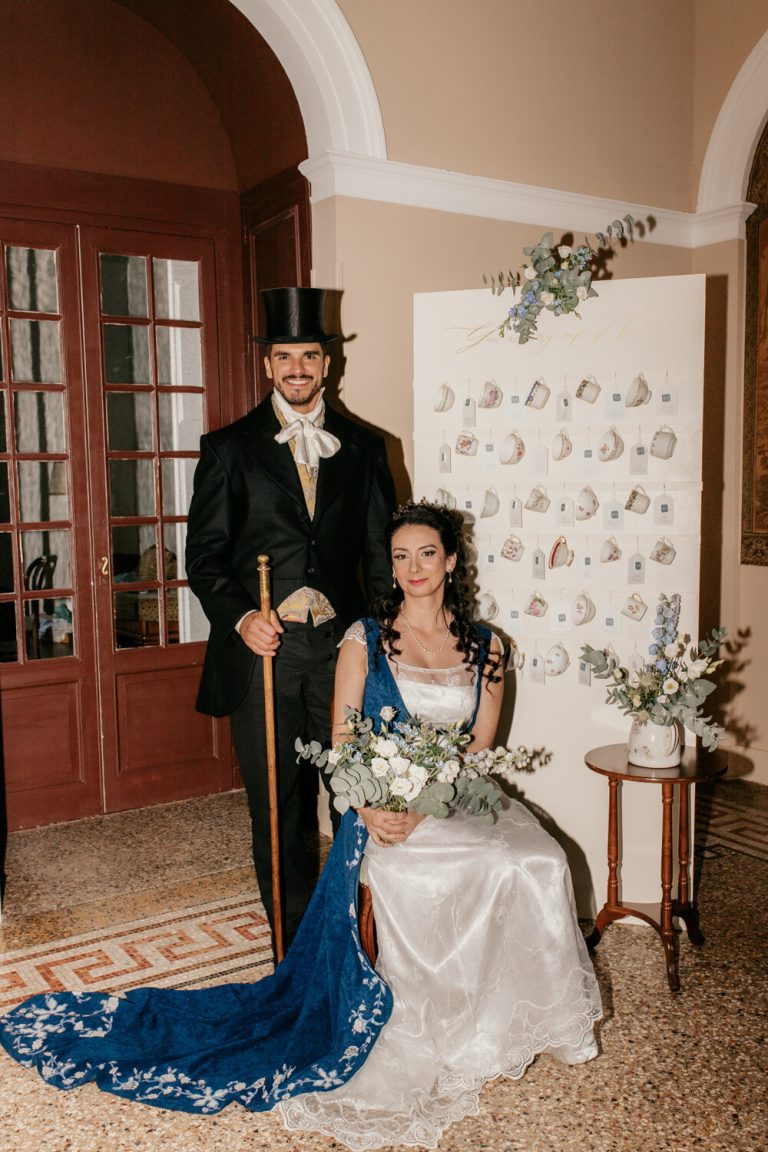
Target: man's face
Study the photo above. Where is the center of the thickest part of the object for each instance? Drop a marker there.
(297, 372)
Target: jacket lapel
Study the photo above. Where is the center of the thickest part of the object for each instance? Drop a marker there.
(336, 471)
(275, 459)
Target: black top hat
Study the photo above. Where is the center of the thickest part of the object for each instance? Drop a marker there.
(295, 316)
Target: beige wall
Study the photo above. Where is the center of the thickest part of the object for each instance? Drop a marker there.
(594, 96)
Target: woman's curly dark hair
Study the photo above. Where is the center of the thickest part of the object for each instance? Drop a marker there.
(450, 528)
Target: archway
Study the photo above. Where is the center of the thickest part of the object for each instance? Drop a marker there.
(327, 70)
(737, 132)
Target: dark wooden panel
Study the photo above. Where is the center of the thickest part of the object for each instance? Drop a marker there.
(277, 234)
(46, 729)
(43, 743)
(166, 748)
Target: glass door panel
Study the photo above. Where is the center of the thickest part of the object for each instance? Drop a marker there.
(36, 517)
(153, 388)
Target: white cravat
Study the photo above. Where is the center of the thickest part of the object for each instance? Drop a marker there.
(311, 442)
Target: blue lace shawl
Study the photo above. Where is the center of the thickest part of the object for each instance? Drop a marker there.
(307, 1027)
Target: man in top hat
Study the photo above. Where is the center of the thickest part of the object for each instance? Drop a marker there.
(298, 481)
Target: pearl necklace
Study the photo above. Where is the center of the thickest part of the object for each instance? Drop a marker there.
(429, 651)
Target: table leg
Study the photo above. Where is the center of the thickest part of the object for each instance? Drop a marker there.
(605, 915)
(667, 931)
(683, 907)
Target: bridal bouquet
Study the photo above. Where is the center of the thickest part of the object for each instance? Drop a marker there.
(413, 765)
(673, 685)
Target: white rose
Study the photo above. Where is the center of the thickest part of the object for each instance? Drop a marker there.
(581, 292)
(379, 766)
(388, 714)
(670, 686)
(697, 668)
(671, 651)
(399, 765)
(334, 755)
(400, 786)
(530, 273)
(547, 298)
(386, 748)
(564, 251)
(418, 774)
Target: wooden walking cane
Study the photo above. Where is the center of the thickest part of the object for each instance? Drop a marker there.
(274, 801)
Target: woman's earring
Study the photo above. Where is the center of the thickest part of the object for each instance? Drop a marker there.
(394, 579)
(450, 575)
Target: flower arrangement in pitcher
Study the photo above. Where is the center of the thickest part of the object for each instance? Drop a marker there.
(672, 685)
(555, 279)
(416, 766)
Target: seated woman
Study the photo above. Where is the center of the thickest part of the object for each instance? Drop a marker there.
(477, 933)
(481, 962)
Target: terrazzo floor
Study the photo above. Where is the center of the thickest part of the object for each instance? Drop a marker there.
(675, 1073)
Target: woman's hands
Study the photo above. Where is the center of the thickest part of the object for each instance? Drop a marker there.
(388, 828)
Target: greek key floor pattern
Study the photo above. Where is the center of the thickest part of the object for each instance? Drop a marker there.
(223, 939)
(723, 819)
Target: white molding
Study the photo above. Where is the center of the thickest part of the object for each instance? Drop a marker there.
(736, 134)
(327, 70)
(721, 224)
(338, 173)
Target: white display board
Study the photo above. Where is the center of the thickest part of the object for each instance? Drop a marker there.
(640, 340)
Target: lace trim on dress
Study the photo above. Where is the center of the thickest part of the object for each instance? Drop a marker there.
(458, 675)
(454, 1094)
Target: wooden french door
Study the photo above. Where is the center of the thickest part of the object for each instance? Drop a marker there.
(47, 627)
(109, 372)
(151, 362)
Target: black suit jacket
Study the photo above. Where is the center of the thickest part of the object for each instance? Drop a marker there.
(248, 500)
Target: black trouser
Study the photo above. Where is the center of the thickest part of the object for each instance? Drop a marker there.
(304, 670)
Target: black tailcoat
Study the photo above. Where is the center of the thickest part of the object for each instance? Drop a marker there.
(247, 501)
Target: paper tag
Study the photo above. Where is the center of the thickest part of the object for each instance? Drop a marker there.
(539, 459)
(489, 456)
(636, 569)
(515, 512)
(444, 462)
(560, 619)
(638, 460)
(664, 509)
(611, 621)
(538, 672)
(589, 462)
(613, 516)
(564, 407)
(467, 503)
(614, 402)
(585, 673)
(515, 399)
(514, 614)
(468, 415)
(490, 557)
(564, 511)
(586, 562)
(668, 399)
(539, 565)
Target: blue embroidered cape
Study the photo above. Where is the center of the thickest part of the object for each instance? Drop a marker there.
(307, 1027)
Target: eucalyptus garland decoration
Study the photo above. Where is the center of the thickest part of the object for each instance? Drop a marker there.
(557, 279)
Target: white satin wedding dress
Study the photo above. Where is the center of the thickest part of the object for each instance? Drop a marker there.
(479, 942)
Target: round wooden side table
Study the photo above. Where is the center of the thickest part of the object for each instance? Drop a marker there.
(611, 761)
